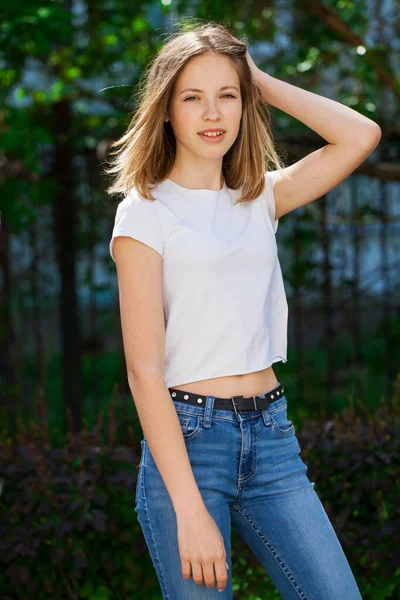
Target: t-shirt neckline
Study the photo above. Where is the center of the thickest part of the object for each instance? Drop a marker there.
(196, 191)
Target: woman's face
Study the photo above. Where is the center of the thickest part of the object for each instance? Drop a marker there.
(210, 107)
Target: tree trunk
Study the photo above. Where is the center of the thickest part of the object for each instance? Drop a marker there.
(65, 210)
(10, 377)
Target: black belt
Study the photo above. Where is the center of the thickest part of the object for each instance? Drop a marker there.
(242, 404)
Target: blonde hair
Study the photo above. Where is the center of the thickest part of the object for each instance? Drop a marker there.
(146, 152)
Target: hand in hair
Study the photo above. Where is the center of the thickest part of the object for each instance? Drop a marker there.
(253, 67)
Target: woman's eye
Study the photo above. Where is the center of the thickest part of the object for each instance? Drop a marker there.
(190, 97)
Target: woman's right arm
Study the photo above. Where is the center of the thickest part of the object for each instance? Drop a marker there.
(201, 545)
(139, 270)
(162, 429)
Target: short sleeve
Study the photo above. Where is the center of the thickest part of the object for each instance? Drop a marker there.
(269, 199)
(135, 218)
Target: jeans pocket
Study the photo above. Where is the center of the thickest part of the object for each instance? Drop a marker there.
(190, 425)
(280, 420)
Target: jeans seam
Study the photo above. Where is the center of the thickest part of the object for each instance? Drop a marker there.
(220, 418)
(255, 454)
(156, 554)
(273, 551)
(214, 417)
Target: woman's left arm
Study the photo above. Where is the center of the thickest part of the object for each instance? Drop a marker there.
(351, 138)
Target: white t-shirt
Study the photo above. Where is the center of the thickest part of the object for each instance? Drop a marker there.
(225, 307)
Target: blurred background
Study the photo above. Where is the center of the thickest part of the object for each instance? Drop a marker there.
(69, 429)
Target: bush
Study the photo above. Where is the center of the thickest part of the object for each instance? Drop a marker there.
(354, 461)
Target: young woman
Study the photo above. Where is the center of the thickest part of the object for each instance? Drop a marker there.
(204, 316)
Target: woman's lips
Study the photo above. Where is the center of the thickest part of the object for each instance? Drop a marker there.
(212, 139)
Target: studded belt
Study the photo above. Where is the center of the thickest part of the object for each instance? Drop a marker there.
(236, 403)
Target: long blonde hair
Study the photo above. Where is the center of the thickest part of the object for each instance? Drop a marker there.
(146, 152)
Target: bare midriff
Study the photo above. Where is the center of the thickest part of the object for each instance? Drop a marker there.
(249, 384)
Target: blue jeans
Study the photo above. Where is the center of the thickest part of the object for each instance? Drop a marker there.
(250, 475)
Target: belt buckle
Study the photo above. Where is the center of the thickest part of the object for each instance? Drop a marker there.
(244, 409)
(233, 398)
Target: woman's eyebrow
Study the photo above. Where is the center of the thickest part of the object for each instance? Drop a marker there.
(225, 87)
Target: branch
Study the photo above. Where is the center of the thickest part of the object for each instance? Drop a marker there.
(379, 62)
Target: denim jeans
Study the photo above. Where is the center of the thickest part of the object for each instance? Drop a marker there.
(251, 477)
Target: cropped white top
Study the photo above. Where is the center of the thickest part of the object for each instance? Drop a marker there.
(225, 307)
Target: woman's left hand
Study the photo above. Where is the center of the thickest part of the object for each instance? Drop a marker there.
(253, 67)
